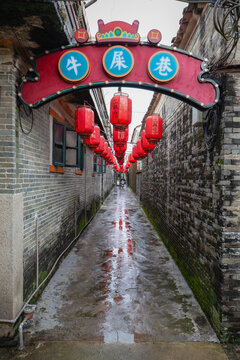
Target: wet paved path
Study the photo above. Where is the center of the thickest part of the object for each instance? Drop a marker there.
(119, 285)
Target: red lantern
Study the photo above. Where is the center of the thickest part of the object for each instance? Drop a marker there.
(120, 111)
(109, 155)
(105, 149)
(141, 152)
(153, 128)
(131, 158)
(135, 153)
(94, 139)
(147, 146)
(120, 155)
(120, 148)
(100, 147)
(120, 135)
(84, 121)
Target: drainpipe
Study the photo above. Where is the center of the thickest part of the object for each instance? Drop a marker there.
(37, 252)
(20, 329)
(26, 322)
(75, 217)
(102, 197)
(85, 186)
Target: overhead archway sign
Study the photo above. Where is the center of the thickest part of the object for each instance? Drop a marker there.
(118, 58)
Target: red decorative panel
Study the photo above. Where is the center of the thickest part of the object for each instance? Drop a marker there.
(45, 84)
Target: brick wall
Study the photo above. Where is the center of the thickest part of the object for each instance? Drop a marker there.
(192, 196)
(230, 185)
(7, 122)
(179, 195)
(58, 200)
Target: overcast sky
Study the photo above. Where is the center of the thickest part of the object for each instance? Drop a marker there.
(163, 15)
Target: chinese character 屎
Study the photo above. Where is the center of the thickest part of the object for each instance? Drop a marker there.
(118, 60)
(163, 66)
(72, 64)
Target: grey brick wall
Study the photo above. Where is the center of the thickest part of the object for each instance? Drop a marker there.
(7, 122)
(57, 199)
(193, 198)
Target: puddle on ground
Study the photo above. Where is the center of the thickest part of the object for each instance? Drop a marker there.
(119, 284)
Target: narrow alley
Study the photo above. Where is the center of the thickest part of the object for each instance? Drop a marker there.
(119, 180)
(117, 288)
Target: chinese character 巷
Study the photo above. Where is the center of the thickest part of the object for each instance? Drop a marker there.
(164, 66)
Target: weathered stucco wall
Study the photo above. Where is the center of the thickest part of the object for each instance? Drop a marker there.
(192, 196)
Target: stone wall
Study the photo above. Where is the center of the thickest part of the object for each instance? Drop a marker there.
(192, 196)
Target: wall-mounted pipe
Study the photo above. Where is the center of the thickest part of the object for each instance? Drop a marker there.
(37, 253)
(20, 330)
(85, 186)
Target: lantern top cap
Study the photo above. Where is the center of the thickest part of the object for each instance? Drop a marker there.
(85, 106)
(121, 93)
(154, 114)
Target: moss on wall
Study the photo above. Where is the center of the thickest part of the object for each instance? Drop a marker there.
(194, 273)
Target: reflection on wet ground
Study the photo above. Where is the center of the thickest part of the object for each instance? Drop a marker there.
(119, 284)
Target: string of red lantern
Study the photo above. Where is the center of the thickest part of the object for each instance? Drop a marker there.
(148, 140)
(120, 118)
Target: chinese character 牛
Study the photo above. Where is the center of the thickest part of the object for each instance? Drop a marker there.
(72, 61)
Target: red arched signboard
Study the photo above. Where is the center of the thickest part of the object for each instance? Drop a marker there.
(118, 58)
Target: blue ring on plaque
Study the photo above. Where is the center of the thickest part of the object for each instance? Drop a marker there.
(163, 66)
(73, 66)
(118, 61)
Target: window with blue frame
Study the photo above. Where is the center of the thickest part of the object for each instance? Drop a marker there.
(99, 165)
(100, 169)
(95, 163)
(68, 150)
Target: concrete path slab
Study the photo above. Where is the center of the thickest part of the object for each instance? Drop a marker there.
(119, 289)
(158, 351)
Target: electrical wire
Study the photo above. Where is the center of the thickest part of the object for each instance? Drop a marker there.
(226, 17)
(22, 106)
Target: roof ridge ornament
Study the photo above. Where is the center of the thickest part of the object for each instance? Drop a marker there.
(118, 32)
